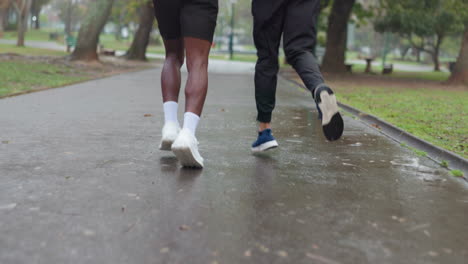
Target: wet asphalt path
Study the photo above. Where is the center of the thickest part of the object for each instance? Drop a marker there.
(82, 181)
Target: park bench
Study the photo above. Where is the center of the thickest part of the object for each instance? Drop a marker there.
(451, 66)
(369, 64)
(108, 52)
(71, 42)
(387, 69)
(53, 36)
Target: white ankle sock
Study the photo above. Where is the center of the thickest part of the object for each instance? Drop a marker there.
(191, 122)
(170, 111)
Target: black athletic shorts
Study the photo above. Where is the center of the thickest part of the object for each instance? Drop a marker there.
(186, 18)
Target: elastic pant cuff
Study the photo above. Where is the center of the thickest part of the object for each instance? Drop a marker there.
(315, 89)
(264, 117)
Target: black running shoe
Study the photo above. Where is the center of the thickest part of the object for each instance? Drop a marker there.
(332, 122)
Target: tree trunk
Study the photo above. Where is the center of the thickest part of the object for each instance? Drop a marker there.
(118, 32)
(23, 14)
(404, 51)
(337, 33)
(140, 42)
(68, 18)
(418, 55)
(88, 36)
(37, 22)
(435, 54)
(460, 72)
(3, 13)
(435, 59)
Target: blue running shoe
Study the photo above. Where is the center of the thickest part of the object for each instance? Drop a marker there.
(332, 122)
(265, 141)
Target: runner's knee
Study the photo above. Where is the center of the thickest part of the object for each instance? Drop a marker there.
(198, 63)
(176, 58)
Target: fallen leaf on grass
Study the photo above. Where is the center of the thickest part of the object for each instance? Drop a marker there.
(148, 115)
(376, 126)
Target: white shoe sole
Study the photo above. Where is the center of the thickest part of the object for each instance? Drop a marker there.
(265, 146)
(170, 132)
(187, 157)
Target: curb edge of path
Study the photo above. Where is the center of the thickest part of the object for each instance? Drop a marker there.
(434, 153)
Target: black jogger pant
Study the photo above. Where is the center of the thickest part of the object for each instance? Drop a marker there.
(296, 20)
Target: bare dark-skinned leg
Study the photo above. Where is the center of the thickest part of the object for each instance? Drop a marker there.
(263, 126)
(197, 52)
(170, 76)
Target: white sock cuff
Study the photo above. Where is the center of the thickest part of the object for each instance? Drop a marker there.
(191, 115)
(191, 122)
(170, 111)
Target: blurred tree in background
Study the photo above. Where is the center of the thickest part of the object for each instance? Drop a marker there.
(70, 12)
(424, 23)
(98, 12)
(4, 5)
(342, 13)
(22, 8)
(334, 59)
(36, 8)
(145, 12)
(433, 27)
(460, 72)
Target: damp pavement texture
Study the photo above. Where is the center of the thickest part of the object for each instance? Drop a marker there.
(82, 181)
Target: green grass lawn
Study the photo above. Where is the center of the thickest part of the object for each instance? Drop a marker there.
(36, 35)
(6, 48)
(438, 116)
(19, 76)
(429, 76)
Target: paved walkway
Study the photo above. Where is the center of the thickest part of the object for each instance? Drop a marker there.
(82, 181)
